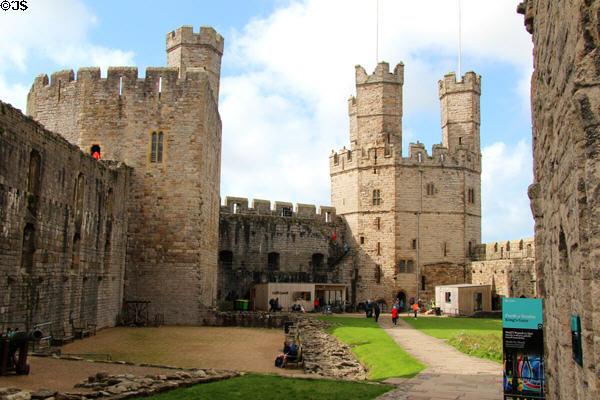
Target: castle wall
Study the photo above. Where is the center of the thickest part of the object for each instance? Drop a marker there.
(168, 129)
(63, 225)
(565, 101)
(302, 241)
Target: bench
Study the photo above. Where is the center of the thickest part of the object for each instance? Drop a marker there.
(61, 335)
(81, 329)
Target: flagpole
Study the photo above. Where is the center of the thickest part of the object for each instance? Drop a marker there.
(459, 42)
(377, 36)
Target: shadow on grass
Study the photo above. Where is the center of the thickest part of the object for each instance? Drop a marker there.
(267, 387)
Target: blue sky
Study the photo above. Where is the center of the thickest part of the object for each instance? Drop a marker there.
(288, 70)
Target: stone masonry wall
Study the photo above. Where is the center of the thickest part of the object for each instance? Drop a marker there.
(259, 245)
(63, 225)
(565, 200)
(167, 127)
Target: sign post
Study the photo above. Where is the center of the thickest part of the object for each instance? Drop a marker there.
(523, 348)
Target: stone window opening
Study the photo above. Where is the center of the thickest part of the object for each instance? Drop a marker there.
(362, 240)
(430, 189)
(378, 223)
(376, 197)
(521, 244)
(414, 244)
(335, 159)
(445, 249)
(349, 155)
(422, 282)
(28, 248)
(507, 246)
(378, 248)
(495, 247)
(33, 180)
(75, 255)
(448, 297)
(95, 151)
(273, 261)
(470, 248)
(159, 86)
(442, 158)
(374, 170)
(317, 260)
(235, 208)
(156, 147)
(120, 86)
(459, 140)
(409, 266)
(420, 157)
(375, 156)
(387, 138)
(286, 212)
(471, 195)
(378, 274)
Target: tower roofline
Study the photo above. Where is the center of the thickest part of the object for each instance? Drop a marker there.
(381, 74)
(470, 81)
(185, 35)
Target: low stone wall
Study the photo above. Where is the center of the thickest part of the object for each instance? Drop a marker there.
(325, 355)
(247, 319)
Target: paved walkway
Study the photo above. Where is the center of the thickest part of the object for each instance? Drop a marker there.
(451, 374)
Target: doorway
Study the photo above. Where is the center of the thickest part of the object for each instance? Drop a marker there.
(401, 296)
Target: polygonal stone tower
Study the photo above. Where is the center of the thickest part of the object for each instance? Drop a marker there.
(167, 127)
(413, 220)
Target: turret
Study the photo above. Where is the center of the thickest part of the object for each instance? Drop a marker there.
(376, 111)
(460, 111)
(186, 49)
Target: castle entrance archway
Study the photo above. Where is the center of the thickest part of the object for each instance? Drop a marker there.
(402, 297)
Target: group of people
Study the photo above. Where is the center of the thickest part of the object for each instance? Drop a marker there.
(274, 305)
(414, 306)
(371, 307)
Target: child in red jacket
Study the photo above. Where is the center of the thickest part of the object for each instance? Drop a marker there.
(394, 315)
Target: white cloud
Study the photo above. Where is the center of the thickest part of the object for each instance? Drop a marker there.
(14, 94)
(297, 65)
(506, 173)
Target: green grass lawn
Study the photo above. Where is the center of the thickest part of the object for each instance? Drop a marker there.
(374, 348)
(267, 387)
(478, 337)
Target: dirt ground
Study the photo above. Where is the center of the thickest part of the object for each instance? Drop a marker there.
(243, 349)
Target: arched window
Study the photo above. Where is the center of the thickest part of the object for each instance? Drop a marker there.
(95, 151)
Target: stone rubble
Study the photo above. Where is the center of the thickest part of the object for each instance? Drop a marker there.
(325, 355)
(123, 386)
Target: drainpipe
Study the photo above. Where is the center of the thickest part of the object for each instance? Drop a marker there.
(419, 229)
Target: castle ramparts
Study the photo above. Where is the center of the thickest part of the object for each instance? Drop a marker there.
(239, 205)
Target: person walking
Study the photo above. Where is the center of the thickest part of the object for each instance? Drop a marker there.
(415, 309)
(394, 315)
(377, 310)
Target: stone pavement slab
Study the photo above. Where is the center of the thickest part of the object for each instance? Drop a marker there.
(450, 373)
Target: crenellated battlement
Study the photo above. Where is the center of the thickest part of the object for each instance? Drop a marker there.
(508, 249)
(239, 205)
(381, 74)
(185, 35)
(469, 82)
(441, 156)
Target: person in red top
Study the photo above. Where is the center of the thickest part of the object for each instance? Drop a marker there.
(415, 309)
(96, 155)
(394, 315)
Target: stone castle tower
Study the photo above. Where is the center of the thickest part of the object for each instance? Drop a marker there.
(411, 218)
(167, 127)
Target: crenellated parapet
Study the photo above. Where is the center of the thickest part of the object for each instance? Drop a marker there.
(185, 35)
(346, 159)
(381, 74)
(505, 250)
(469, 82)
(239, 205)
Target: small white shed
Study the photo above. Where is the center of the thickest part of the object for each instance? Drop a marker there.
(463, 299)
